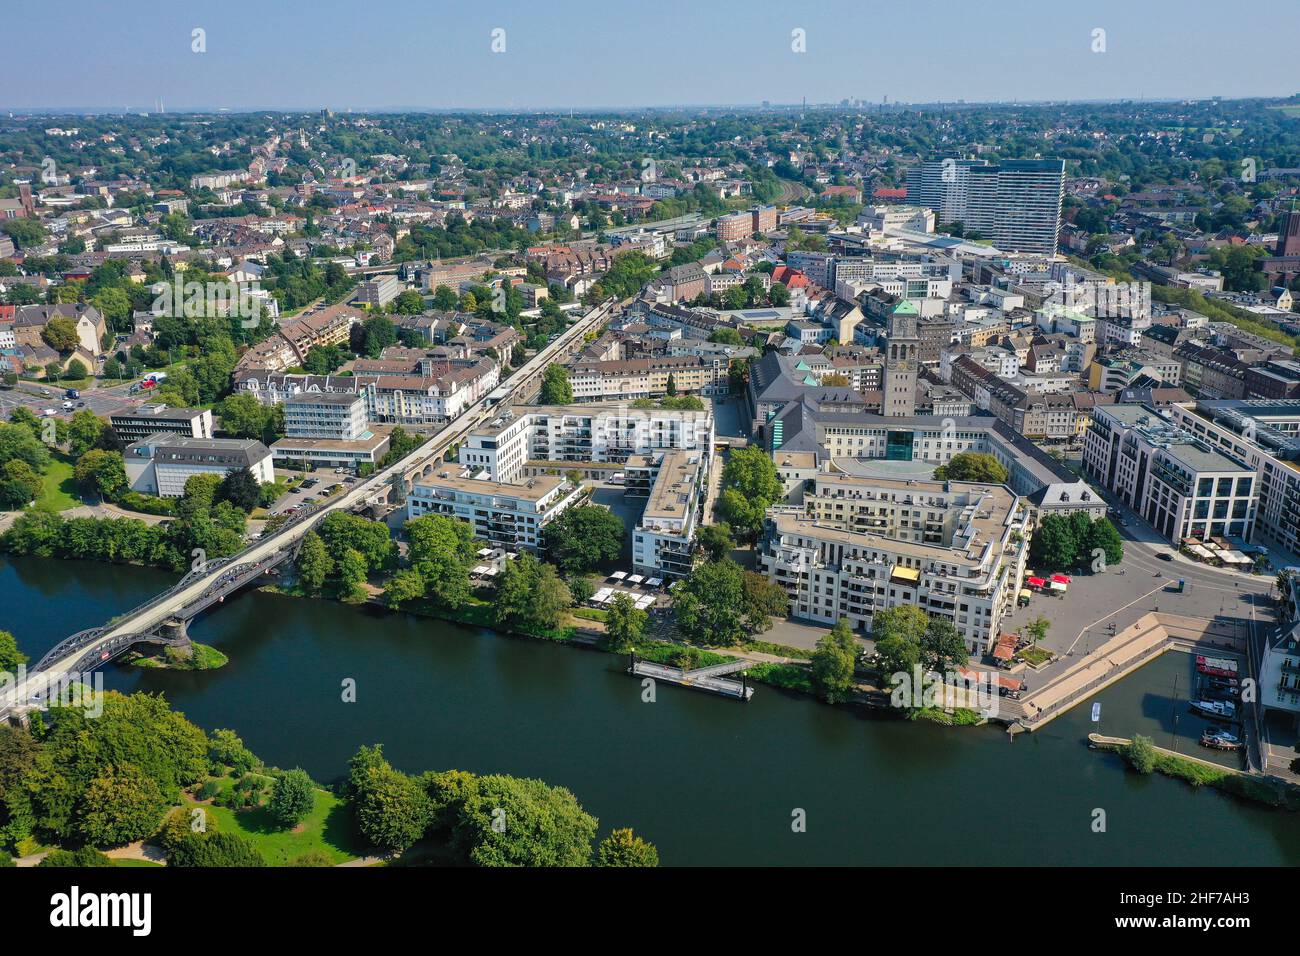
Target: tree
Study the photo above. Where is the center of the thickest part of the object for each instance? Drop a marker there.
(60, 334)
(898, 633)
(102, 473)
(377, 334)
(226, 751)
(391, 809)
(1103, 535)
(710, 604)
(405, 585)
(241, 489)
(764, 600)
(11, 658)
(1141, 754)
(943, 647)
(120, 805)
(351, 571)
(624, 848)
(530, 596)
(556, 389)
(972, 466)
(243, 416)
(670, 389)
(624, 623)
(583, 536)
(543, 825)
(314, 563)
(20, 484)
(86, 431)
(371, 539)
(83, 756)
(750, 485)
(292, 798)
(445, 299)
(752, 472)
(1054, 544)
(1037, 629)
(80, 858)
(726, 336)
(833, 662)
(210, 849)
(441, 553)
(715, 540)
(17, 441)
(76, 370)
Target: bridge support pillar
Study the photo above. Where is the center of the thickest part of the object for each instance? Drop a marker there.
(177, 633)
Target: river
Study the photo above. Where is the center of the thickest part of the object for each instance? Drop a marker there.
(710, 781)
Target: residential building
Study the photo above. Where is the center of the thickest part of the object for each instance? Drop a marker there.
(584, 433)
(511, 516)
(663, 540)
(1015, 204)
(861, 545)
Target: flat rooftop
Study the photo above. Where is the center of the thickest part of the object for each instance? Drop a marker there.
(670, 498)
(532, 489)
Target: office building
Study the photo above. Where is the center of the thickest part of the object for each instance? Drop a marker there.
(1176, 481)
(161, 464)
(142, 421)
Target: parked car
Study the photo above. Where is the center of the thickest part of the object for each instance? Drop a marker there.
(1165, 556)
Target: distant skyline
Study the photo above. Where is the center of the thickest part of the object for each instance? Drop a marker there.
(583, 54)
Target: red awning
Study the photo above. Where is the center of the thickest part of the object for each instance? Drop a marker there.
(1061, 578)
(1036, 582)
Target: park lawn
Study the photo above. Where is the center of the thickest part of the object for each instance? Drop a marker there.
(134, 862)
(59, 492)
(327, 829)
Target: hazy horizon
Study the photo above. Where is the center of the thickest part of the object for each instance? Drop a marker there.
(411, 56)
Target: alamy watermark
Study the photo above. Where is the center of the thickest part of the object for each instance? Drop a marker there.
(42, 689)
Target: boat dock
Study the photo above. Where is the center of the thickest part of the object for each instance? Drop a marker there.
(702, 678)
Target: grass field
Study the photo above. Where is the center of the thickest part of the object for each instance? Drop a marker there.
(327, 829)
(60, 490)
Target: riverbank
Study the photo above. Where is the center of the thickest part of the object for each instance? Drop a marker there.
(774, 665)
(1199, 772)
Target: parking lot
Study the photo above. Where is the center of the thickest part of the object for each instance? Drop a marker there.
(314, 486)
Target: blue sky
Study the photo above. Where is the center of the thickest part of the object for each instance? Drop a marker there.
(375, 54)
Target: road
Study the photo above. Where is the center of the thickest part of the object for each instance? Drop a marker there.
(374, 488)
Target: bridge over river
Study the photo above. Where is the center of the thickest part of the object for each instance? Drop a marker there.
(163, 620)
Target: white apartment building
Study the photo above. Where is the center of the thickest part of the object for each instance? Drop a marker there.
(511, 516)
(861, 545)
(676, 482)
(581, 433)
(161, 464)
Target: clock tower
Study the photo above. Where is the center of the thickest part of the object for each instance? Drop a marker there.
(902, 350)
